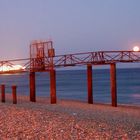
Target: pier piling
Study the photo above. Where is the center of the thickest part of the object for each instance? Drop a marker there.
(3, 93)
(53, 86)
(89, 84)
(14, 94)
(32, 87)
(113, 84)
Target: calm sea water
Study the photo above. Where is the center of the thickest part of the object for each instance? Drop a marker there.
(73, 85)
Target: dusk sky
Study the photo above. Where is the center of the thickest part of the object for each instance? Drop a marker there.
(73, 25)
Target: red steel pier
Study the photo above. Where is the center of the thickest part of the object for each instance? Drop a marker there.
(43, 59)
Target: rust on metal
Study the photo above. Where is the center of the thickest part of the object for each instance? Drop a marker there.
(89, 84)
(14, 94)
(113, 84)
(43, 59)
(41, 54)
(3, 93)
(53, 86)
(32, 87)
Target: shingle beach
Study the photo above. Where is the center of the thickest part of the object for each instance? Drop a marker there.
(67, 120)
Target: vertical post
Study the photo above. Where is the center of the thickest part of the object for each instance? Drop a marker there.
(89, 84)
(3, 93)
(113, 84)
(32, 87)
(53, 86)
(14, 94)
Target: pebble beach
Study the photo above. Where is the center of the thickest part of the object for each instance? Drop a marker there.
(67, 120)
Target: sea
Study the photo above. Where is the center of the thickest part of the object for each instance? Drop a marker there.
(72, 85)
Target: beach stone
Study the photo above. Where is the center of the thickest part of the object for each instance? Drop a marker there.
(67, 120)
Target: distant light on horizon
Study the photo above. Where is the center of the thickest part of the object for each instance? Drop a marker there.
(136, 48)
(9, 68)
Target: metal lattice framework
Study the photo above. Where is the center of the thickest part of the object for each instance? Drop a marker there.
(41, 54)
(96, 58)
(93, 58)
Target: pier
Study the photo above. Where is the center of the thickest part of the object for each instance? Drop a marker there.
(43, 59)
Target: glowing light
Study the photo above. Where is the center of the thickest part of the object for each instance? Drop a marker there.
(11, 68)
(136, 48)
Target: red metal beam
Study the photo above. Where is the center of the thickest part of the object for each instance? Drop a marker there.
(32, 87)
(89, 84)
(96, 58)
(2, 93)
(77, 59)
(14, 94)
(113, 84)
(53, 86)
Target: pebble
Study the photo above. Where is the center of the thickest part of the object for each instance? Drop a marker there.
(67, 120)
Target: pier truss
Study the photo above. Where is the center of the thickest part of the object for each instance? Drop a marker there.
(89, 58)
(96, 58)
(43, 59)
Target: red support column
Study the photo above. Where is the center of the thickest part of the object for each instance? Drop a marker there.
(89, 84)
(32, 87)
(14, 94)
(53, 86)
(3, 93)
(113, 84)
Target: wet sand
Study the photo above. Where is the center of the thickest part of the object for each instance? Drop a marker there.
(67, 120)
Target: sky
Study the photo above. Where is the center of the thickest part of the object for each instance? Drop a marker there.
(73, 25)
